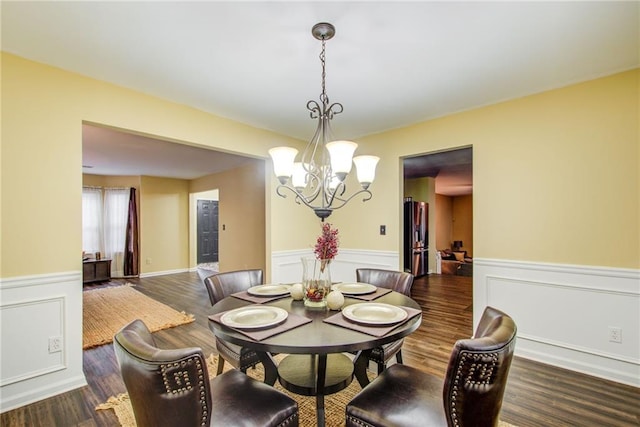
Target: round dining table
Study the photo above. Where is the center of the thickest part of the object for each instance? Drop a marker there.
(315, 364)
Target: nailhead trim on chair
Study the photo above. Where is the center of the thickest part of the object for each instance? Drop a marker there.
(292, 419)
(478, 367)
(180, 376)
(358, 421)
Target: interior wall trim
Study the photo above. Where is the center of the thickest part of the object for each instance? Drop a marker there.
(286, 266)
(165, 272)
(53, 365)
(39, 308)
(565, 313)
(39, 279)
(623, 273)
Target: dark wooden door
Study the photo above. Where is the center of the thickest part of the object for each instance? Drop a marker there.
(207, 231)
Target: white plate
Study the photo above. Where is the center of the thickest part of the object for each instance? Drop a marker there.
(254, 317)
(269, 290)
(354, 288)
(374, 313)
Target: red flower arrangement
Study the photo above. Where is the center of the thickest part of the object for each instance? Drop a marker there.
(327, 243)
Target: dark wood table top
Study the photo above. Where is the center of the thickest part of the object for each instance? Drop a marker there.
(316, 337)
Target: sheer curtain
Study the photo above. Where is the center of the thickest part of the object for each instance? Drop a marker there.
(116, 212)
(92, 225)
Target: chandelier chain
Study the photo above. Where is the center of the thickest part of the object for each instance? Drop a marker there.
(323, 96)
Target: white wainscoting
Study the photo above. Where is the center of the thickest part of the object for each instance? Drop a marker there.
(286, 266)
(32, 310)
(564, 313)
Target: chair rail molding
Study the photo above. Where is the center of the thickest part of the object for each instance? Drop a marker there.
(286, 266)
(565, 313)
(33, 311)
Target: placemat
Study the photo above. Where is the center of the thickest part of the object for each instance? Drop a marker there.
(370, 297)
(376, 330)
(246, 296)
(292, 322)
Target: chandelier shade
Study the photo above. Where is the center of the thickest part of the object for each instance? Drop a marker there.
(366, 169)
(318, 179)
(283, 158)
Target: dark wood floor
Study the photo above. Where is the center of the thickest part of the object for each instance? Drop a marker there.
(537, 394)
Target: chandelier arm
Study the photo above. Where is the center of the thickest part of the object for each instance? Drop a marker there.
(309, 153)
(298, 196)
(347, 200)
(307, 199)
(314, 109)
(331, 111)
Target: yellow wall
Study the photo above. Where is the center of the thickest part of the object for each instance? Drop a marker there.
(454, 216)
(43, 109)
(164, 224)
(557, 167)
(552, 168)
(419, 189)
(462, 222)
(241, 221)
(444, 213)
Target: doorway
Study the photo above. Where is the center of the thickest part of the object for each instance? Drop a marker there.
(444, 180)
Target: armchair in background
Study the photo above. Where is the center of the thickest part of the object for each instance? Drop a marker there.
(220, 286)
(400, 282)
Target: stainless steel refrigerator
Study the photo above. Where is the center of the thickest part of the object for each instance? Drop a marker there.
(416, 237)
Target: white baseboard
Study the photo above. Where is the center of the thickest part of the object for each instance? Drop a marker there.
(39, 393)
(564, 313)
(165, 272)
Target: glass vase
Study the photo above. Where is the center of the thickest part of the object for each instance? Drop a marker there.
(316, 281)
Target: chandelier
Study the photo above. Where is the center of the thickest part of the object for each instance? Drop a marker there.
(318, 179)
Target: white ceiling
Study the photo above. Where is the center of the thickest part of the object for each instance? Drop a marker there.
(390, 64)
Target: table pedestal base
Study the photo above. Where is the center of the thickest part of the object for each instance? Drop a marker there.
(316, 375)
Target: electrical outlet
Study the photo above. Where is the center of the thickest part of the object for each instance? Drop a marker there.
(148, 261)
(615, 334)
(55, 344)
(383, 230)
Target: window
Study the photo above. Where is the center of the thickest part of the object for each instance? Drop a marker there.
(104, 224)
(92, 234)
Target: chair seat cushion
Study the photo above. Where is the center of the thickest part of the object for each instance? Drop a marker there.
(401, 396)
(239, 357)
(242, 401)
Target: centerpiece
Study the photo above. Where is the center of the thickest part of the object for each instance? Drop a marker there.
(316, 276)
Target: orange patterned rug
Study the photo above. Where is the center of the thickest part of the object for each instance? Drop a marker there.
(107, 310)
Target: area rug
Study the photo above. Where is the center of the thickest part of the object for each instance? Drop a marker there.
(334, 404)
(107, 310)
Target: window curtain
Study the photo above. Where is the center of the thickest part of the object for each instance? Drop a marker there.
(131, 237)
(116, 208)
(92, 224)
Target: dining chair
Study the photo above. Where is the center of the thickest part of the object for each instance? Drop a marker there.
(172, 387)
(400, 282)
(220, 286)
(471, 394)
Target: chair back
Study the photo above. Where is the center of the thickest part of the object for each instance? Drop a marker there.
(166, 387)
(397, 280)
(477, 373)
(221, 285)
